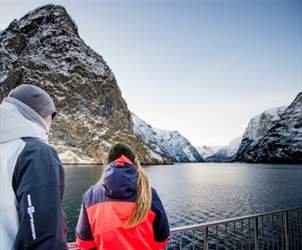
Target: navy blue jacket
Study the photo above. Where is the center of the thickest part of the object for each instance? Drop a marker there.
(38, 182)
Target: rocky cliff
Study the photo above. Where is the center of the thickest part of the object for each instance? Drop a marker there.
(275, 136)
(44, 48)
(169, 144)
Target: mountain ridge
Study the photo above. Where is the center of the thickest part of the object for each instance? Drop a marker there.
(44, 48)
(168, 143)
(276, 138)
(225, 153)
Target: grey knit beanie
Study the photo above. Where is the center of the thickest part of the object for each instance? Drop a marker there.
(34, 97)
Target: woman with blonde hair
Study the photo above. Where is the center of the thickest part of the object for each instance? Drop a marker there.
(122, 211)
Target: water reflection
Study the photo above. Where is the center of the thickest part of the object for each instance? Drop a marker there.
(195, 193)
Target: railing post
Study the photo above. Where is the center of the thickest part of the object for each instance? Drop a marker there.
(180, 241)
(286, 230)
(256, 233)
(205, 238)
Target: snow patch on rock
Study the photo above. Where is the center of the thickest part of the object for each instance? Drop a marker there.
(166, 143)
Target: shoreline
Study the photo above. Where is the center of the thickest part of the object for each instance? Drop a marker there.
(177, 163)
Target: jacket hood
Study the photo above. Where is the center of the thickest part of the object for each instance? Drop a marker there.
(120, 178)
(18, 120)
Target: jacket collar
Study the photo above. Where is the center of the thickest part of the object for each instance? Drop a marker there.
(122, 161)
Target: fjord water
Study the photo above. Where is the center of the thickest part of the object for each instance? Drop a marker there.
(201, 192)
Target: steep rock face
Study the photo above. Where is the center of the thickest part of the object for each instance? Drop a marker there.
(45, 49)
(275, 136)
(226, 153)
(166, 143)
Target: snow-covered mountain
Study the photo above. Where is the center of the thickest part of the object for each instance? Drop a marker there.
(207, 151)
(257, 128)
(169, 144)
(274, 136)
(226, 153)
(261, 124)
(44, 48)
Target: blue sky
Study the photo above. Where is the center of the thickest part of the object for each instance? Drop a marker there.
(203, 68)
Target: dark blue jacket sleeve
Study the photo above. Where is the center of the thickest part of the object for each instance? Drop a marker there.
(38, 182)
(160, 224)
(84, 236)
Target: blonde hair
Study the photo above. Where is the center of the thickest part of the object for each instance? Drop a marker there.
(143, 200)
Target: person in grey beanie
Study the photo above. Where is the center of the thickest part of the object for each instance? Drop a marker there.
(32, 176)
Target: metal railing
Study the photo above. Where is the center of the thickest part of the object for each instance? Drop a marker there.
(72, 246)
(276, 230)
